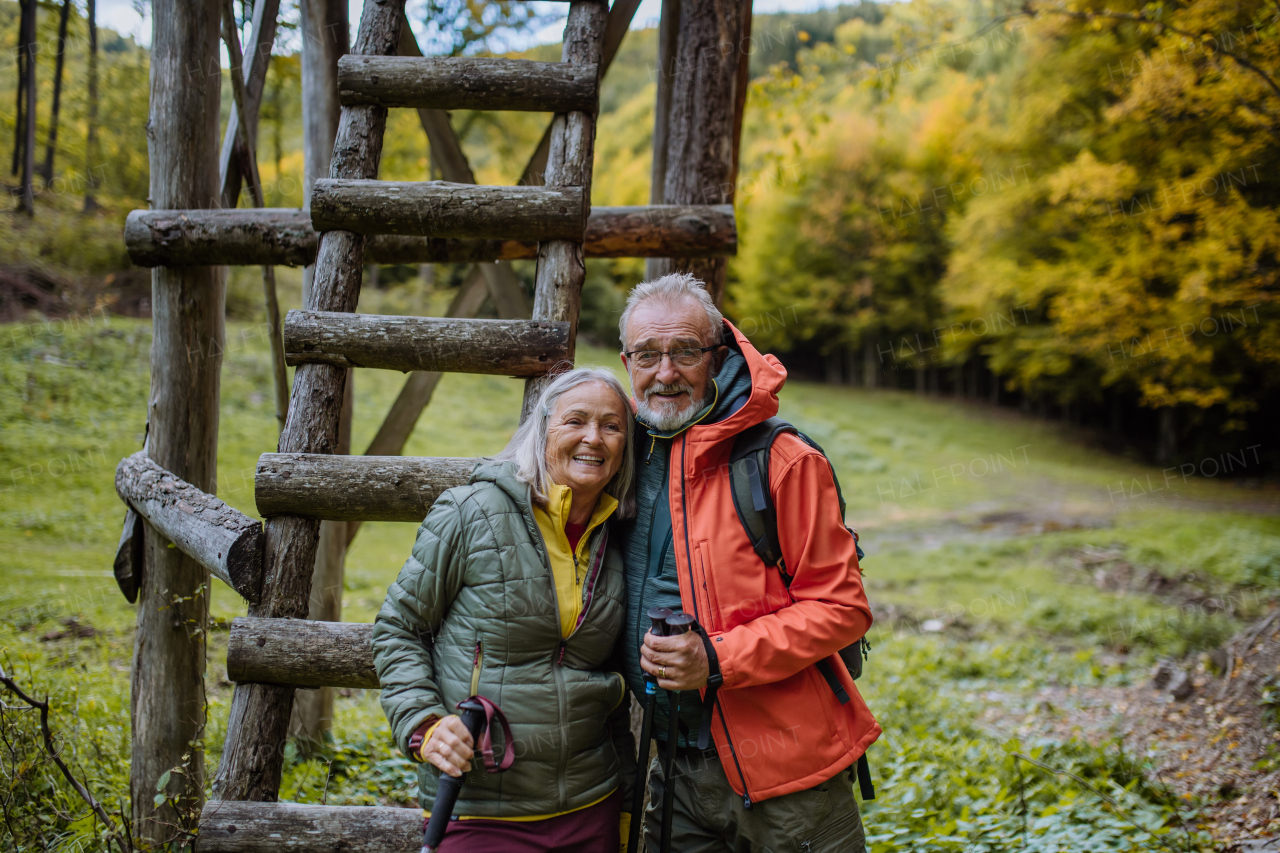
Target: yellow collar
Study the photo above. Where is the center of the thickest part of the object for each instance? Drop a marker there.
(560, 501)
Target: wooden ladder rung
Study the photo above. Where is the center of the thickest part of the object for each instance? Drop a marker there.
(355, 488)
(227, 826)
(284, 236)
(443, 209)
(467, 83)
(301, 653)
(443, 344)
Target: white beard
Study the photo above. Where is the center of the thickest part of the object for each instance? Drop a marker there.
(671, 421)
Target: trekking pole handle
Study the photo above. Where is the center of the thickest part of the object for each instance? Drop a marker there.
(447, 790)
(680, 623)
(659, 616)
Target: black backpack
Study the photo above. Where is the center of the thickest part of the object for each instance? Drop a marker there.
(749, 483)
(749, 480)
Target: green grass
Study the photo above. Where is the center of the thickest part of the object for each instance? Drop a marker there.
(1016, 615)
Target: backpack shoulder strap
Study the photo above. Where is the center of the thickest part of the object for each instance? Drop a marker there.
(749, 481)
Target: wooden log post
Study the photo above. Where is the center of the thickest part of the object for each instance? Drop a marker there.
(445, 209)
(355, 488)
(168, 697)
(258, 726)
(294, 828)
(503, 347)
(466, 83)
(284, 236)
(302, 653)
(325, 40)
(221, 538)
(700, 120)
(256, 60)
(561, 265)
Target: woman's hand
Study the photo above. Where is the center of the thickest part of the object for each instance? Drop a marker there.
(450, 746)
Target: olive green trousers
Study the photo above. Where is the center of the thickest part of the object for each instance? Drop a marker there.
(708, 817)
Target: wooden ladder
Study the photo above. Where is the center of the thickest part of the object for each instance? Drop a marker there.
(275, 650)
(328, 337)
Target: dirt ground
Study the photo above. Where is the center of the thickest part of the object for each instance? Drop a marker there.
(1214, 742)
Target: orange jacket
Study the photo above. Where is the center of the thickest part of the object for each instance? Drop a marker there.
(780, 727)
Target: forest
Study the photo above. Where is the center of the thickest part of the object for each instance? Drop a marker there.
(1033, 246)
(1067, 210)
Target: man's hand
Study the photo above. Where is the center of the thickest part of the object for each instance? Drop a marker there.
(450, 746)
(679, 662)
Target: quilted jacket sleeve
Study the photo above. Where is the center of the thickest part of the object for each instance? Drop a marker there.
(410, 617)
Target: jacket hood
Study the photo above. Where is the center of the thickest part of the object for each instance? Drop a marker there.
(503, 475)
(766, 376)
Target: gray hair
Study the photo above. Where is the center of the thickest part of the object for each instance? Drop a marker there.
(672, 289)
(528, 447)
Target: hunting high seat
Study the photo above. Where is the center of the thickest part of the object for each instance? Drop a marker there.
(275, 650)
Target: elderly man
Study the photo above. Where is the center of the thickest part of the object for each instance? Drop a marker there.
(777, 771)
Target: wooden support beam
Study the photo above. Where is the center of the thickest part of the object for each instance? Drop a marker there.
(252, 757)
(284, 236)
(388, 342)
(222, 539)
(619, 22)
(247, 148)
(445, 209)
(561, 264)
(301, 653)
(355, 488)
(227, 827)
(700, 121)
(255, 62)
(466, 83)
(168, 707)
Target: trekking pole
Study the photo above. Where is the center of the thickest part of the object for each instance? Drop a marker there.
(676, 625)
(473, 717)
(658, 616)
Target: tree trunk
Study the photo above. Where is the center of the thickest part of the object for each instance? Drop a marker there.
(302, 653)
(51, 144)
(91, 134)
(870, 367)
(699, 162)
(324, 39)
(27, 80)
(1166, 435)
(354, 488)
(168, 707)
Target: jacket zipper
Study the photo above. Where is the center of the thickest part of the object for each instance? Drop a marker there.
(688, 552)
(556, 658)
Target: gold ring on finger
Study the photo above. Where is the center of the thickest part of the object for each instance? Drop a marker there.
(662, 672)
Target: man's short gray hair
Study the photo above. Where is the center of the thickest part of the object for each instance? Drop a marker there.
(528, 447)
(671, 290)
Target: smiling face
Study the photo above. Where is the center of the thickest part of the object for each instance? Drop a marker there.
(586, 437)
(669, 395)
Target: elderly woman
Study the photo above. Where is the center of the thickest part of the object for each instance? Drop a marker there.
(514, 592)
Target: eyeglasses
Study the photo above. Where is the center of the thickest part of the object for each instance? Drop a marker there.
(682, 357)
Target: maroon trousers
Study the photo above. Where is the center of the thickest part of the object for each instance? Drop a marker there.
(590, 830)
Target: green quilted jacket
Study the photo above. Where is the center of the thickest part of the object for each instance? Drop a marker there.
(476, 604)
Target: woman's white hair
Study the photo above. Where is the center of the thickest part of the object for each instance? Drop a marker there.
(671, 290)
(528, 447)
